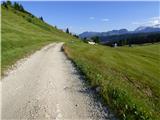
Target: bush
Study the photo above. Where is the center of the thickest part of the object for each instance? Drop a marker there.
(29, 19)
(67, 30)
(4, 4)
(41, 18)
(96, 39)
(8, 3)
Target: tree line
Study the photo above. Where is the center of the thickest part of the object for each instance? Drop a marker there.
(68, 32)
(17, 6)
(129, 39)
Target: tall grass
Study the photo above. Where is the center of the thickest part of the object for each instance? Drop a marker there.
(128, 76)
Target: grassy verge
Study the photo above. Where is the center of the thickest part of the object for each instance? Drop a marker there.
(22, 34)
(128, 77)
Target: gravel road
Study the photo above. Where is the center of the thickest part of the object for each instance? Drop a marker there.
(46, 86)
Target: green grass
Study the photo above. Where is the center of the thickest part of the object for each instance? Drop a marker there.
(22, 34)
(128, 76)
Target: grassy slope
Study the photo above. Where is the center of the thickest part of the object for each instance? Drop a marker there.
(22, 34)
(128, 77)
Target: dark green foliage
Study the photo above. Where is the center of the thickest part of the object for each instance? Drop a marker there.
(96, 39)
(4, 4)
(32, 16)
(41, 18)
(76, 36)
(29, 19)
(16, 6)
(129, 39)
(21, 8)
(8, 3)
(85, 41)
(67, 30)
(84, 38)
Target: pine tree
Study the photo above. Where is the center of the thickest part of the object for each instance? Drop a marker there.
(67, 30)
(4, 4)
(16, 6)
(8, 3)
(95, 39)
(41, 18)
(21, 8)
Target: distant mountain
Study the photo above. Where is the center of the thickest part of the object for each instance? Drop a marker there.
(141, 29)
(133, 38)
(145, 29)
(113, 32)
(89, 34)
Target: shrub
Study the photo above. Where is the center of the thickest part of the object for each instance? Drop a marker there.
(8, 3)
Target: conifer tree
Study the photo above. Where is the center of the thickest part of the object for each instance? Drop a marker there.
(67, 30)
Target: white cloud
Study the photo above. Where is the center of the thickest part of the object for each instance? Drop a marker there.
(104, 19)
(149, 22)
(154, 20)
(91, 18)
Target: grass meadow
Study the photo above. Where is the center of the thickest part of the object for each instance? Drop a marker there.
(128, 76)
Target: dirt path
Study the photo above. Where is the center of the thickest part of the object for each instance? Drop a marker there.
(47, 86)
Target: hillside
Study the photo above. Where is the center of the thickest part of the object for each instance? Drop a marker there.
(23, 33)
(128, 77)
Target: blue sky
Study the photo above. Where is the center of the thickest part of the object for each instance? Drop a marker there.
(95, 16)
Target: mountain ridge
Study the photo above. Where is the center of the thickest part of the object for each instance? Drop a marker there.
(141, 29)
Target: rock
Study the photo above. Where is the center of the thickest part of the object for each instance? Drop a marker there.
(98, 89)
